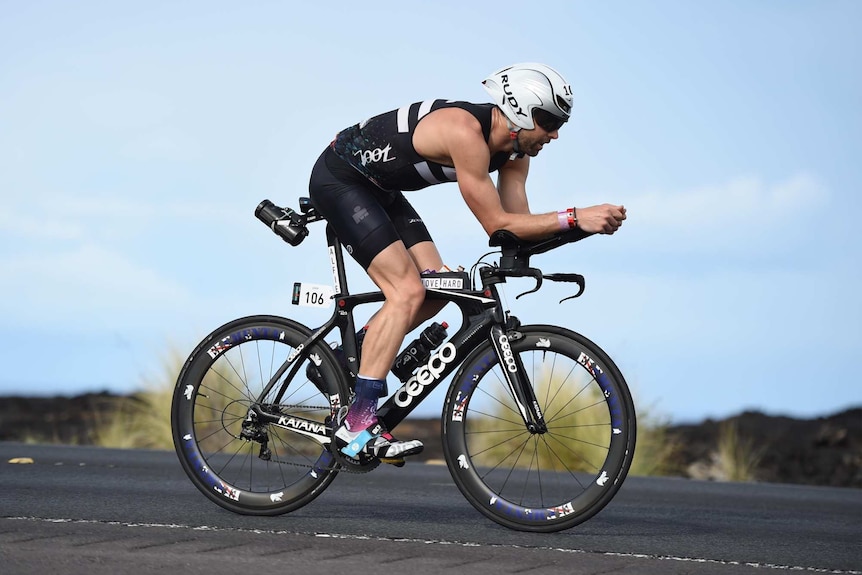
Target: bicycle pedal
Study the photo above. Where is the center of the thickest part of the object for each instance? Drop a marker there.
(354, 447)
(397, 462)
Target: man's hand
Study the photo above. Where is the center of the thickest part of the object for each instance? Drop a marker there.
(603, 219)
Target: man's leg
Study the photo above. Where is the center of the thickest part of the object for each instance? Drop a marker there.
(426, 257)
(395, 273)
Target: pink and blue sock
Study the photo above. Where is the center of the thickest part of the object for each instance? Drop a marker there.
(363, 410)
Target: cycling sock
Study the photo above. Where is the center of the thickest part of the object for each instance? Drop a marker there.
(363, 410)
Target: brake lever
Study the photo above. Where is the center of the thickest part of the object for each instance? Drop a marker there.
(534, 273)
(569, 278)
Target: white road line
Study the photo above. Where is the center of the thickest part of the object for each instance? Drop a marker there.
(441, 542)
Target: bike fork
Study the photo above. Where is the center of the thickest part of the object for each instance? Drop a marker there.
(518, 382)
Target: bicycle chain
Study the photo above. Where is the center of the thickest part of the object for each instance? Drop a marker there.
(340, 463)
(337, 467)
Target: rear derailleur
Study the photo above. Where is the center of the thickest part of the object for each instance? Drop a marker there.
(253, 430)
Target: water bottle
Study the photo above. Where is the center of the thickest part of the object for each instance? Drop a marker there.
(286, 223)
(419, 350)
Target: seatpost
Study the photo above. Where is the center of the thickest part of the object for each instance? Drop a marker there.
(344, 319)
(336, 261)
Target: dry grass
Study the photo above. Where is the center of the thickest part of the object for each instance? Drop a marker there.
(143, 420)
(656, 450)
(578, 442)
(737, 458)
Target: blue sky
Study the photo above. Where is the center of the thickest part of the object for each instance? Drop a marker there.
(136, 140)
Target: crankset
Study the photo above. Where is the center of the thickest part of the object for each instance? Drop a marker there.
(255, 431)
(362, 463)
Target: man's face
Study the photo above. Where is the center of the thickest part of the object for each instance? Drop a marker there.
(546, 128)
(532, 141)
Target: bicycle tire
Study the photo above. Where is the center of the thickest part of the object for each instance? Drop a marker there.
(549, 481)
(217, 385)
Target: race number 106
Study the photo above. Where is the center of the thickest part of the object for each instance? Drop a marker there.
(312, 295)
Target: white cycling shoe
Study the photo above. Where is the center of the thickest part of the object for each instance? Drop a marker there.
(375, 440)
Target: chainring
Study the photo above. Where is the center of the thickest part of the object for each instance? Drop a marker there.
(341, 462)
(363, 463)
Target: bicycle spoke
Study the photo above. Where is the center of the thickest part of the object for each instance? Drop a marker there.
(560, 475)
(240, 461)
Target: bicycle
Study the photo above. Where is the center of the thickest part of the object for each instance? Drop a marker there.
(538, 425)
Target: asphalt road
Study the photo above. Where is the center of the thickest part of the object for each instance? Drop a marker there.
(90, 510)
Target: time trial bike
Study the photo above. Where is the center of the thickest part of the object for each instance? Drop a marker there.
(538, 425)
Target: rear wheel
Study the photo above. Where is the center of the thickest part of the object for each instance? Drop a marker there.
(254, 454)
(546, 481)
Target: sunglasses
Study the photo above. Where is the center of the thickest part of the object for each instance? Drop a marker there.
(547, 121)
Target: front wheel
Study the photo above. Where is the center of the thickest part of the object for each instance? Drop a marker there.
(541, 481)
(250, 452)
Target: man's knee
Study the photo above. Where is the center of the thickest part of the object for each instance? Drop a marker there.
(408, 294)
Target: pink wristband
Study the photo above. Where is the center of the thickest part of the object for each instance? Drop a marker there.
(567, 219)
(563, 219)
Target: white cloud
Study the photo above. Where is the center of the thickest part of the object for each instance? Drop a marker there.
(33, 224)
(97, 208)
(744, 215)
(163, 143)
(51, 217)
(741, 203)
(797, 193)
(89, 284)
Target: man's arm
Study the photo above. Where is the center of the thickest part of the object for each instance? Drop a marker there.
(512, 185)
(457, 135)
(505, 208)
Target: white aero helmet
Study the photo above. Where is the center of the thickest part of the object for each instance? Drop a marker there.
(522, 88)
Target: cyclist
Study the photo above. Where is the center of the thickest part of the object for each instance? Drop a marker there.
(357, 184)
